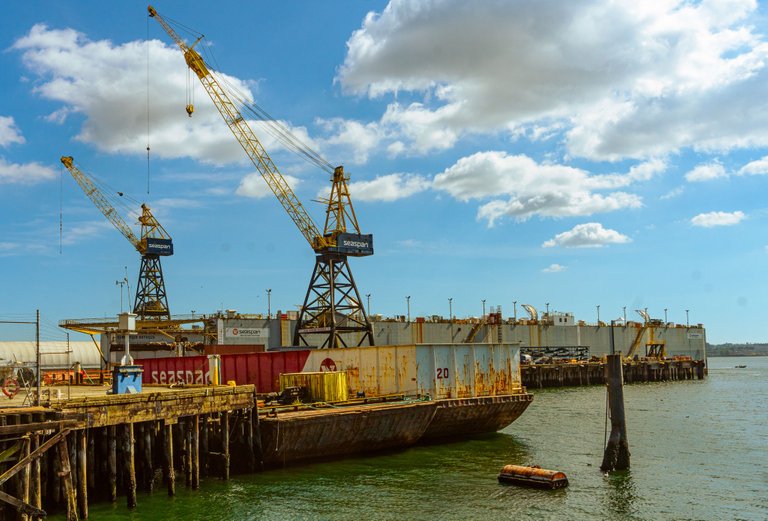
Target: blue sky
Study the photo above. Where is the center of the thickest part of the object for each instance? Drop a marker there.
(576, 154)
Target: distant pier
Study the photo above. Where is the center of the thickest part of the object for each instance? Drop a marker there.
(567, 374)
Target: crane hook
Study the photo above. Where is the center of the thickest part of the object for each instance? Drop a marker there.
(190, 109)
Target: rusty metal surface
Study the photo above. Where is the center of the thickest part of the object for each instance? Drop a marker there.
(469, 416)
(302, 435)
(438, 371)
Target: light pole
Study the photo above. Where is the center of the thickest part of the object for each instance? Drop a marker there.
(547, 304)
(665, 316)
(269, 303)
(483, 307)
(450, 309)
(408, 304)
(687, 324)
(514, 311)
(121, 283)
(625, 315)
(368, 296)
(598, 314)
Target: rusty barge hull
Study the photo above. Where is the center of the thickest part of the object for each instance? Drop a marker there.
(472, 416)
(292, 437)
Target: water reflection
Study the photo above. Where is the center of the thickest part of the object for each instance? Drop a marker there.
(621, 493)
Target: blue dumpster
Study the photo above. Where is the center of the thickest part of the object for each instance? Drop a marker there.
(126, 379)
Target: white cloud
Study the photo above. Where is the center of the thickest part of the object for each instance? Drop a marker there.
(758, 167)
(624, 79)
(349, 135)
(522, 188)
(706, 172)
(106, 84)
(254, 186)
(26, 173)
(588, 235)
(554, 268)
(388, 187)
(9, 132)
(675, 192)
(79, 232)
(711, 219)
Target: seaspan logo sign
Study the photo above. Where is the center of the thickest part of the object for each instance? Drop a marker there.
(355, 244)
(251, 332)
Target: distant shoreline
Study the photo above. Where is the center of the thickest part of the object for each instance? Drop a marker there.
(735, 355)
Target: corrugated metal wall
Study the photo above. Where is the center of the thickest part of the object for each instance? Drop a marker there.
(53, 354)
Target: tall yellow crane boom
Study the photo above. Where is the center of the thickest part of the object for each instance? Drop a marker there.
(95, 195)
(151, 301)
(245, 136)
(332, 304)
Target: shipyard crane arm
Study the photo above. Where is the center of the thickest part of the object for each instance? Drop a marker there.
(341, 233)
(247, 139)
(95, 195)
(154, 238)
(151, 301)
(332, 303)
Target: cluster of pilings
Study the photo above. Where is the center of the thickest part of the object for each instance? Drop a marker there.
(592, 373)
(110, 447)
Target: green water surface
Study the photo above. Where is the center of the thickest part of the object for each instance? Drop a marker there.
(699, 451)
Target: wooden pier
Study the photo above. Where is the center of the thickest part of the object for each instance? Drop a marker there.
(537, 376)
(101, 447)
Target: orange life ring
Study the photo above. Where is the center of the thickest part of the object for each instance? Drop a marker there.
(11, 387)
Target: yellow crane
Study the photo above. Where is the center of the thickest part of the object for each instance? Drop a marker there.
(151, 301)
(332, 306)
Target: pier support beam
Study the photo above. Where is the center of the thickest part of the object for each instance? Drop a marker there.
(195, 452)
(82, 478)
(130, 465)
(66, 478)
(225, 444)
(112, 461)
(170, 473)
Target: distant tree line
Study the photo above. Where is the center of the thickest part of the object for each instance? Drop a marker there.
(729, 349)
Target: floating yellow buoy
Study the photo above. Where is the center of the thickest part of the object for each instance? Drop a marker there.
(533, 476)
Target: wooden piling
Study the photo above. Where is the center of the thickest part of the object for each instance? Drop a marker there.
(616, 455)
(225, 444)
(195, 452)
(204, 445)
(170, 473)
(36, 485)
(112, 461)
(248, 420)
(66, 479)
(188, 453)
(130, 465)
(82, 478)
(149, 478)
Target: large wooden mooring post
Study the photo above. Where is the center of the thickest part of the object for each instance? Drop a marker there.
(616, 456)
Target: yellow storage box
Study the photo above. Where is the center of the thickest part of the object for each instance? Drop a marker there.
(324, 386)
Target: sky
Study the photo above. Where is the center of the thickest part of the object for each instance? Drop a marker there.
(563, 154)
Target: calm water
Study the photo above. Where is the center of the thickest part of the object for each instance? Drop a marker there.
(699, 451)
